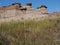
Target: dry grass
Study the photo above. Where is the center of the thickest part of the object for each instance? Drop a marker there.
(44, 32)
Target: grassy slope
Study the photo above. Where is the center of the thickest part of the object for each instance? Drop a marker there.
(44, 32)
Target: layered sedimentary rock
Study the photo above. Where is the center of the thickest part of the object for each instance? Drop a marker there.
(42, 9)
(16, 11)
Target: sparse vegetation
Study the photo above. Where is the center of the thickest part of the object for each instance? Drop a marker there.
(44, 32)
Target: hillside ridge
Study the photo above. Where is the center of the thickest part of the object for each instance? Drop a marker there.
(18, 12)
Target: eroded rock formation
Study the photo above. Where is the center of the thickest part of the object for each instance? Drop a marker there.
(17, 11)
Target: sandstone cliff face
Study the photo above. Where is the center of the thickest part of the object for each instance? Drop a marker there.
(42, 10)
(18, 12)
(17, 6)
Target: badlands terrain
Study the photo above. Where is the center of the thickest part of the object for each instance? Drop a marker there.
(29, 28)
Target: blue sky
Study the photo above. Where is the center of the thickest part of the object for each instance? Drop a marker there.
(53, 5)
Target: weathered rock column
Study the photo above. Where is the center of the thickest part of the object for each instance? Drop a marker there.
(29, 8)
(42, 9)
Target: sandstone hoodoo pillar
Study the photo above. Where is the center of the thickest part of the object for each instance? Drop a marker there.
(29, 8)
(29, 5)
(17, 5)
(42, 9)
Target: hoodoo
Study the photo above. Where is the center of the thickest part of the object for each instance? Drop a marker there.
(42, 9)
(16, 11)
(27, 8)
